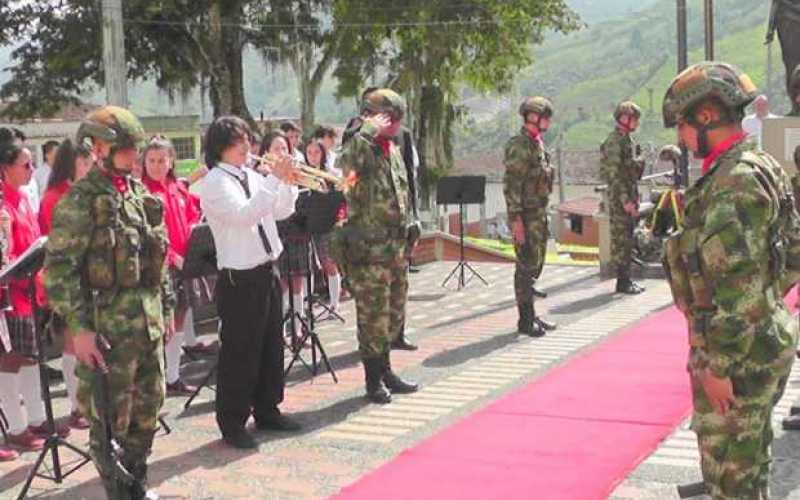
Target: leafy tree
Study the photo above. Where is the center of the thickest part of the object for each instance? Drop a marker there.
(430, 49)
(181, 44)
(302, 36)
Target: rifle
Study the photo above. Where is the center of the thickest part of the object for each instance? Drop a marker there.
(111, 452)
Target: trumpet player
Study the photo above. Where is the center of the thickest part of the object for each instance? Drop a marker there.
(242, 207)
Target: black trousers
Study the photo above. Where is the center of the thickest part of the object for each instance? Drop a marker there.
(250, 377)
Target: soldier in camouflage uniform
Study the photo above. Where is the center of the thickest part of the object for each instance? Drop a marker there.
(621, 168)
(729, 268)
(105, 275)
(792, 422)
(527, 185)
(372, 244)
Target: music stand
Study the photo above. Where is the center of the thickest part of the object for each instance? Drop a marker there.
(461, 190)
(303, 209)
(24, 268)
(200, 261)
(320, 210)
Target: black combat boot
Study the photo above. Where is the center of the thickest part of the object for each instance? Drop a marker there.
(625, 285)
(400, 343)
(138, 490)
(394, 383)
(546, 325)
(538, 293)
(527, 324)
(376, 391)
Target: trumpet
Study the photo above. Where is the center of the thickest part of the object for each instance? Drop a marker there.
(304, 174)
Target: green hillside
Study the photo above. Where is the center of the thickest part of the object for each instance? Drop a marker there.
(587, 73)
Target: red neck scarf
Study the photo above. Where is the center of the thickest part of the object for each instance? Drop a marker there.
(535, 136)
(385, 143)
(722, 148)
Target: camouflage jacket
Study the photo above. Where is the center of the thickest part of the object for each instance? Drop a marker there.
(119, 311)
(528, 179)
(620, 168)
(378, 205)
(738, 321)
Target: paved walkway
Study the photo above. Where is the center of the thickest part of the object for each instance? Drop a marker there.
(469, 356)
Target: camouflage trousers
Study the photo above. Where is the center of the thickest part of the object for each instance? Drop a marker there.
(735, 448)
(380, 292)
(530, 254)
(137, 390)
(622, 243)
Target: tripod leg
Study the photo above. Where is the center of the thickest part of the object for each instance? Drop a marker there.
(476, 273)
(33, 472)
(324, 356)
(455, 269)
(204, 383)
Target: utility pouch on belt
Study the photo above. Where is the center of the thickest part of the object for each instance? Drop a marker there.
(677, 274)
(349, 245)
(100, 260)
(154, 243)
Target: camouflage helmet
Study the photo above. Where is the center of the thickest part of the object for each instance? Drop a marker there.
(117, 126)
(628, 108)
(539, 105)
(384, 101)
(703, 81)
(670, 152)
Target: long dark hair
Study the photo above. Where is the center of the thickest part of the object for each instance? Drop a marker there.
(159, 142)
(323, 161)
(64, 164)
(222, 134)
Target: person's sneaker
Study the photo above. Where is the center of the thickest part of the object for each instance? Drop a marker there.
(276, 421)
(78, 421)
(180, 388)
(43, 430)
(25, 441)
(7, 454)
(241, 440)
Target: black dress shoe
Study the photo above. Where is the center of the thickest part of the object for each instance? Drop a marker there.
(241, 440)
(276, 421)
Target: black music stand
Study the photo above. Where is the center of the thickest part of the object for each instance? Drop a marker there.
(301, 231)
(200, 261)
(320, 209)
(462, 190)
(25, 267)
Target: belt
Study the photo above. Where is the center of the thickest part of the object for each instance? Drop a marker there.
(252, 274)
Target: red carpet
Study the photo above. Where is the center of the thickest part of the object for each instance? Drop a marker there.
(573, 434)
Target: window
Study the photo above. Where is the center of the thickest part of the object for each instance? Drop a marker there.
(184, 147)
(576, 223)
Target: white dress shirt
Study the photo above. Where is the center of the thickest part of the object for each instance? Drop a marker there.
(234, 218)
(42, 176)
(753, 125)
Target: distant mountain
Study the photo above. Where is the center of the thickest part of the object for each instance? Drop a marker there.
(601, 10)
(588, 72)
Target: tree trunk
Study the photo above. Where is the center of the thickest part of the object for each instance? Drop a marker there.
(226, 79)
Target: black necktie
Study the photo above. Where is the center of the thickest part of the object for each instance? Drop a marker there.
(261, 232)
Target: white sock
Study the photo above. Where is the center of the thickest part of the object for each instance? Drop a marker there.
(299, 303)
(12, 407)
(335, 289)
(173, 351)
(30, 386)
(68, 362)
(189, 335)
